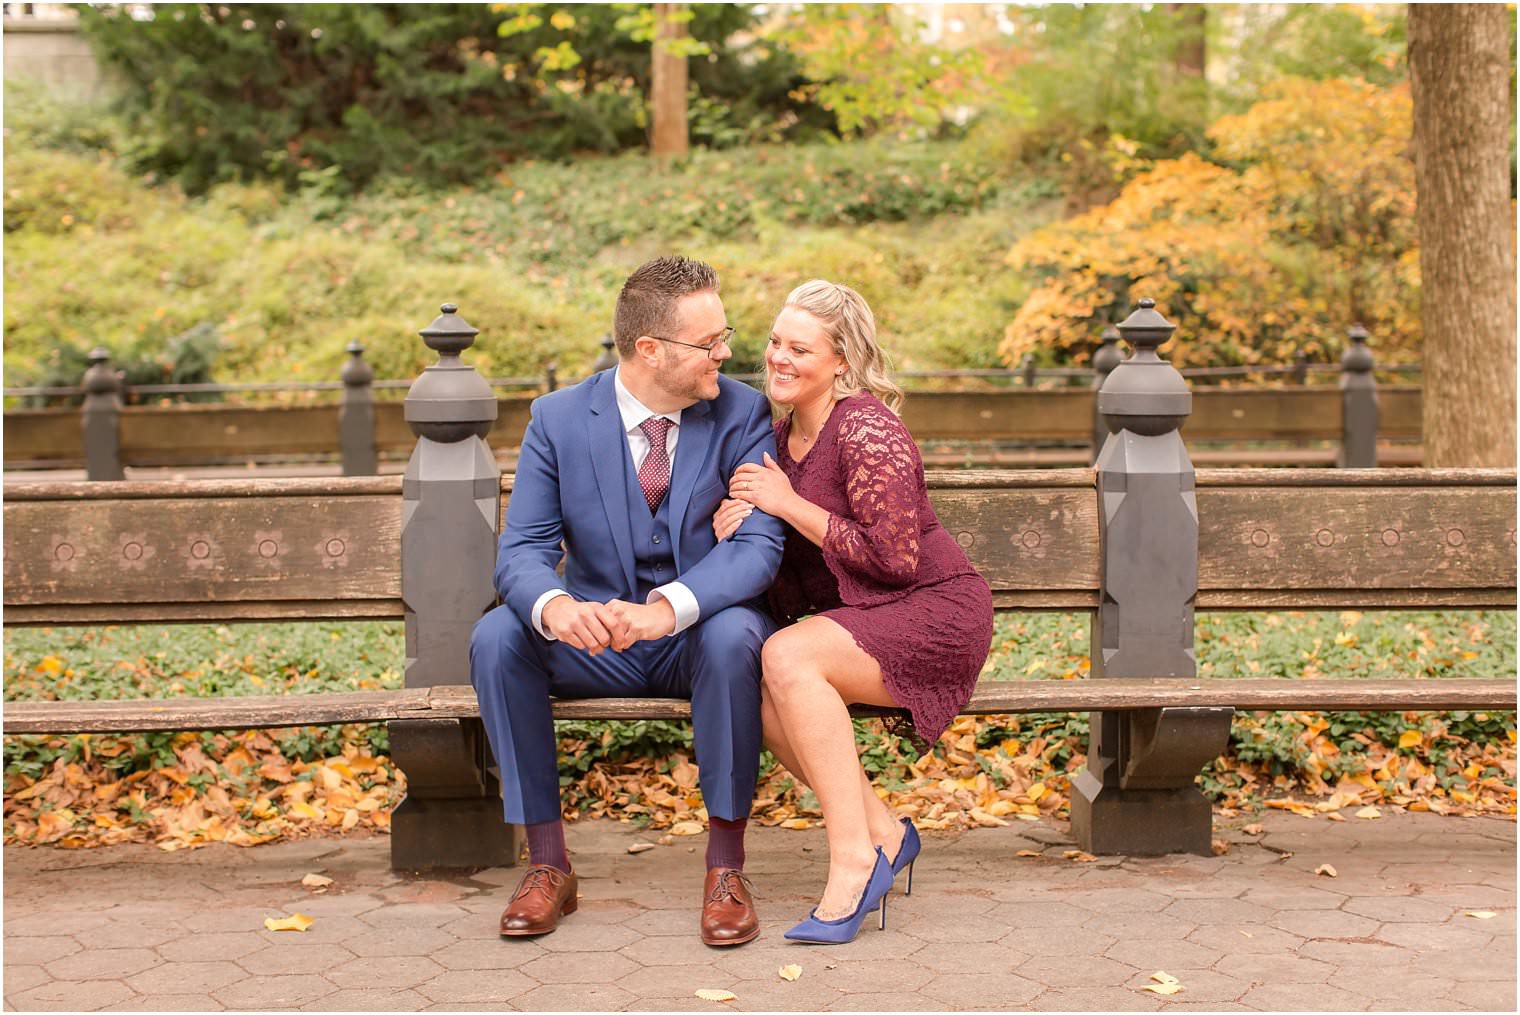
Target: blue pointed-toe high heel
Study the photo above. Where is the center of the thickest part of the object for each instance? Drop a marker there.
(838, 932)
(907, 853)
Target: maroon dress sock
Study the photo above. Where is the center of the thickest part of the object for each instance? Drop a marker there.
(725, 843)
(546, 844)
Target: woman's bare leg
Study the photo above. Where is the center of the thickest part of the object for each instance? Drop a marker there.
(810, 671)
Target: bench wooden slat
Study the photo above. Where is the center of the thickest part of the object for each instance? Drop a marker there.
(991, 698)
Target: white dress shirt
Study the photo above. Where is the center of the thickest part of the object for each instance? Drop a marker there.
(634, 413)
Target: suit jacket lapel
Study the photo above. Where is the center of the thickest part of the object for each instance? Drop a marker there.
(608, 446)
(691, 455)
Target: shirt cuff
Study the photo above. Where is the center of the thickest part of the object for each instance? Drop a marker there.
(538, 611)
(682, 601)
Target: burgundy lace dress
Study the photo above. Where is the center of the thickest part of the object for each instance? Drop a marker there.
(887, 572)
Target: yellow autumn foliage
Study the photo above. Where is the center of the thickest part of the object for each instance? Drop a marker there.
(1300, 224)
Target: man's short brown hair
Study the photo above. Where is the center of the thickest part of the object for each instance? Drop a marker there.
(647, 304)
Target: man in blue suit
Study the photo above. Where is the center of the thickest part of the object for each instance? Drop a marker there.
(620, 476)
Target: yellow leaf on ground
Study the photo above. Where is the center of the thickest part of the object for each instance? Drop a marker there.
(1035, 791)
(986, 820)
(316, 881)
(1026, 852)
(790, 973)
(795, 823)
(639, 847)
(1079, 856)
(1220, 847)
(717, 995)
(1254, 829)
(296, 921)
(1163, 988)
(1326, 870)
(1336, 817)
(1411, 738)
(1161, 976)
(305, 810)
(1370, 813)
(686, 828)
(1480, 914)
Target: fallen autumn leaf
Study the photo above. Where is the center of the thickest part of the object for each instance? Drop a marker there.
(296, 921)
(717, 995)
(316, 881)
(640, 847)
(790, 972)
(1480, 914)
(1326, 870)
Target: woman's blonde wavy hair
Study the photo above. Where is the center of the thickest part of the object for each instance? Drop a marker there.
(852, 328)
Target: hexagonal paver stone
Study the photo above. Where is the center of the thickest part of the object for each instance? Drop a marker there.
(20, 950)
(1399, 909)
(987, 957)
(105, 964)
(671, 951)
(52, 924)
(1096, 999)
(1030, 916)
(397, 940)
(71, 995)
(1089, 971)
(574, 967)
(1486, 995)
(589, 937)
(170, 1002)
(1152, 953)
(853, 977)
(195, 947)
(476, 986)
(1080, 942)
(1199, 986)
(20, 977)
(662, 922)
(575, 997)
(1117, 900)
(274, 991)
(1210, 911)
(1302, 997)
(126, 934)
(494, 952)
(1324, 923)
(1253, 938)
(286, 959)
(979, 990)
(394, 971)
(186, 978)
(1274, 968)
(1437, 936)
(393, 916)
(1277, 896)
(678, 981)
(373, 999)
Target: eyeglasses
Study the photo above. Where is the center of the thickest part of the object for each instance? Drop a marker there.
(725, 339)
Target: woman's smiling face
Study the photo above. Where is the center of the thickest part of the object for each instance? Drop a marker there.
(800, 361)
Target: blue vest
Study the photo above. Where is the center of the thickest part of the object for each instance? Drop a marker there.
(653, 560)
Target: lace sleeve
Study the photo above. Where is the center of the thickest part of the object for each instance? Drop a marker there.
(880, 540)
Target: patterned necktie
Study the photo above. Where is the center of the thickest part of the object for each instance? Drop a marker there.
(654, 474)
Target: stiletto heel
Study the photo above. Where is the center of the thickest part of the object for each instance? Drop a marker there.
(838, 932)
(909, 889)
(883, 912)
(907, 853)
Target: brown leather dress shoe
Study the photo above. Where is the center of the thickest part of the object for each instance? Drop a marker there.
(728, 910)
(543, 895)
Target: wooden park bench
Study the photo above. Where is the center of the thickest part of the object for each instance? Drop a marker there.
(1119, 541)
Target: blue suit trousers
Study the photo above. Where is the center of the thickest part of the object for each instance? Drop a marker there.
(715, 664)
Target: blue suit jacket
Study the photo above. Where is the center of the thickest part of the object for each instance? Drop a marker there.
(570, 499)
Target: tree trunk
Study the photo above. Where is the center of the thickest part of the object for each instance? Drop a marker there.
(1191, 54)
(1459, 73)
(668, 89)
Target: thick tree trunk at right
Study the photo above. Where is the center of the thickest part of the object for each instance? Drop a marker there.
(1459, 71)
(1191, 57)
(668, 84)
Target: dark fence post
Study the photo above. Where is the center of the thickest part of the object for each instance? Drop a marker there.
(1136, 794)
(551, 377)
(1359, 404)
(1105, 358)
(451, 509)
(608, 358)
(101, 418)
(1300, 368)
(356, 417)
(1027, 366)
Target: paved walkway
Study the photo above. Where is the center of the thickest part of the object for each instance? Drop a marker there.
(134, 928)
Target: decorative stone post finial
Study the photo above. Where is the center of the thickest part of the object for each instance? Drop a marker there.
(1359, 403)
(1105, 358)
(608, 358)
(1145, 394)
(100, 418)
(356, 373)
(356, 416)
(450, 402)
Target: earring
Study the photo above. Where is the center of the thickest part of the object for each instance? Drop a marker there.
(838, 373)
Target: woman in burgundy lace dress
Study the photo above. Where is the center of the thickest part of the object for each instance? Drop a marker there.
(895, 613)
